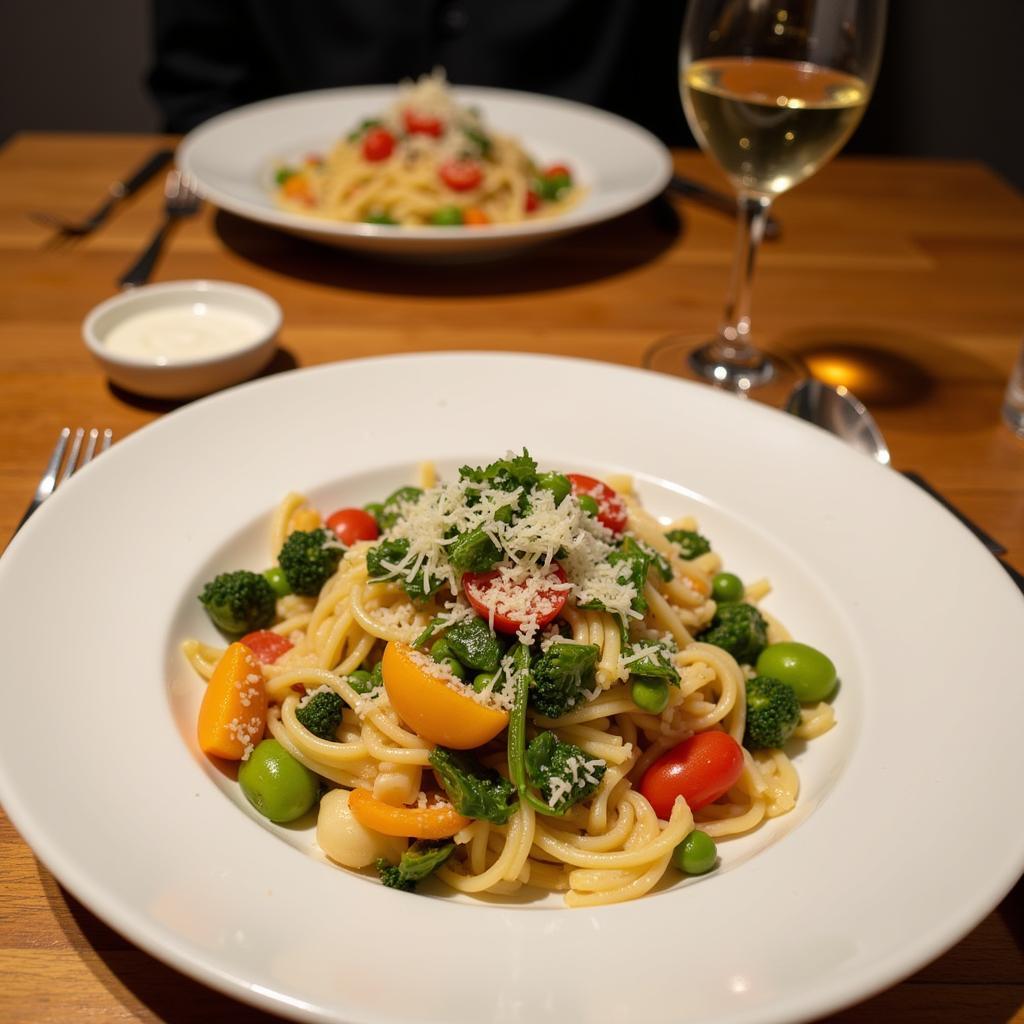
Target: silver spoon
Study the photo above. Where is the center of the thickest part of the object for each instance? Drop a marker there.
(840, 412)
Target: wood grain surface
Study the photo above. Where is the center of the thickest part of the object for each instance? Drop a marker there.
(903, 279)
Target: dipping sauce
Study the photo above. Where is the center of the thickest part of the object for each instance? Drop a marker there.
(183, 333)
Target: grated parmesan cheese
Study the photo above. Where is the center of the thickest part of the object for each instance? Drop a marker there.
(529, 545)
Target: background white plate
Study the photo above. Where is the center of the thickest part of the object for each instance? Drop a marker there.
(233, 157)
(906, 833)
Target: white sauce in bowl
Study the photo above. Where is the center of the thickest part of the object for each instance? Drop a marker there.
(179, 334)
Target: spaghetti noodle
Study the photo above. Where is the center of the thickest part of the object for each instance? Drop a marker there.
(513, 657)
(426, 161)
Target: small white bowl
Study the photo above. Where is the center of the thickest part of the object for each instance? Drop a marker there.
(185, 374)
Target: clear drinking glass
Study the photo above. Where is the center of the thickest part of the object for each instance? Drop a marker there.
(772, 89)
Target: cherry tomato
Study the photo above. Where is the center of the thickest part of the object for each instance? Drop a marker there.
(422, 124)
(532, 201)
(700, 769)
(267, 645)
(378, 144)
(558, 171)
(461, 175)
(547, 606)
(352, 524)
(611, 509)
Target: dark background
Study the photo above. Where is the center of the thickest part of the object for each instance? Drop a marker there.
(950, 86)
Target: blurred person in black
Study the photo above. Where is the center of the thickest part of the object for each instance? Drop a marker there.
(621, 55)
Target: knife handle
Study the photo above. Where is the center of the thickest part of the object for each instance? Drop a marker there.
(152, 166)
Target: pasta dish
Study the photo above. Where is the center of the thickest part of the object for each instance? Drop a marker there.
(511, 678)
(426, 161)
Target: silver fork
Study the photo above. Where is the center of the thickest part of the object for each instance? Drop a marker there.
(180, 200)
(117, 192)
(59, 468)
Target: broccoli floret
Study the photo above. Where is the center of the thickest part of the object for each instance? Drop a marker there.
(561, 675)
(563, 772)
(657, 664)
(321, 714)
(473, 644)
(390, 553)
(635, 560)
(423, 858)
(388, 513)
(690, 543)
(740, 630)
(773, 712)
(474, 551)
(504, 474)
(391, 875)
(309, 559)
(239, 602)
(474, 790)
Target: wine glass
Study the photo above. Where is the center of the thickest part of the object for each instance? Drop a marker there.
(772, 89)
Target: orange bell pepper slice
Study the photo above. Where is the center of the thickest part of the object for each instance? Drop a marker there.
(416, 822)
(233, 715)
(431, 708)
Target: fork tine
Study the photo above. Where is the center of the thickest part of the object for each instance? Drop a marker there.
(99, 441)
(90, 448)
(49, 480)
(76, 447)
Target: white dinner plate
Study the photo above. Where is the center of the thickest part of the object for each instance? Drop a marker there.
(233, 158)
(905, 834)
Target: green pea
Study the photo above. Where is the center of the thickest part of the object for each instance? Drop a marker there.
(439, 649)
(361, 681)
(484, 679)
(277, 785)
(446, 216)
(809, 673)
(726, 587)
(589, 504)
(455, 667)
(696, 854)
(650, 695)
(551, 187)
(278, 581)
(557, 484)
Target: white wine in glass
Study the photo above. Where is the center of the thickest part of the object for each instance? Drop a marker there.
(772, 89)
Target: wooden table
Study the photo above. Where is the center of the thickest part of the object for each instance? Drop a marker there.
(906, 278)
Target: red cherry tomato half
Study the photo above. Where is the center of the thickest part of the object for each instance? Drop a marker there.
(378, 144)
(700, 770)
(422, 124)
(266, 645)
(558, 171)
(611, 509)
(485, 590)
(532, 201)
(461, 175)
(353, 524)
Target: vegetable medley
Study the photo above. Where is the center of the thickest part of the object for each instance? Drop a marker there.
(511, 660)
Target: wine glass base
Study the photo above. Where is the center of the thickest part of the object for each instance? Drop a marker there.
(768, 377)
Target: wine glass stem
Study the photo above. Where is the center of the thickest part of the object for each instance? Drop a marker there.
(733, 343)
